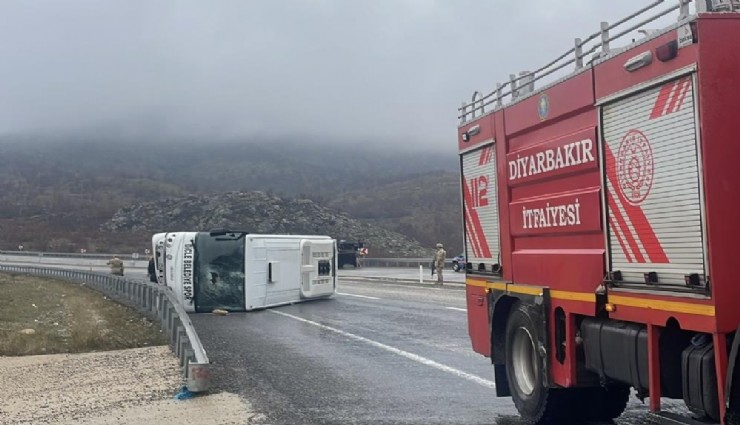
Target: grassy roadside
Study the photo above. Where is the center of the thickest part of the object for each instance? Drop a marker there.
(46, 316)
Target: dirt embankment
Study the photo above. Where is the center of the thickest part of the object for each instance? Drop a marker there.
(133, 385)
(46, 316)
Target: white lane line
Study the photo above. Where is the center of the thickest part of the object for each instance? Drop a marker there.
(411, 356)
(457, 309)
(358, 296)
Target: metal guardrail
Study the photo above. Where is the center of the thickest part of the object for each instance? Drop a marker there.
(154, 301)
(71, 255)
(400, 262)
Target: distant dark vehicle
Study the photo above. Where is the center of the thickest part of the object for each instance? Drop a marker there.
(348, 252)
(458, 263)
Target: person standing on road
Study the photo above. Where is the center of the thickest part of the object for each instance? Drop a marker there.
(152, 270)
(116, 266)
(439, 262)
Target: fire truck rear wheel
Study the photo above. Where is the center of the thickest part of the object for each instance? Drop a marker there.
(605, 404)
(536, 403)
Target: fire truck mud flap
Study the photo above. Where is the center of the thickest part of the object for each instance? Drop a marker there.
(732, 390)
(502, 304)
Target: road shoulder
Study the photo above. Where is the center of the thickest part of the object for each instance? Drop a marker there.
(133, 386)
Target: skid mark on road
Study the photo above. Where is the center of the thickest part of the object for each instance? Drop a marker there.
(411, 356)
(357, 296)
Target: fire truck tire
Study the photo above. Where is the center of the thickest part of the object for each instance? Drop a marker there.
(536, 403)
(605, 403)
(732, 418)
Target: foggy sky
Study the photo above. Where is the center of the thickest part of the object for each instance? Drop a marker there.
(369, 71)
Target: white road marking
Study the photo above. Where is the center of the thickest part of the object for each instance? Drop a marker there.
(457, 309)
(358, 296)
(411, 356)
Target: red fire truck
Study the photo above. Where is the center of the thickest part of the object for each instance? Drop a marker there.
(599, 217)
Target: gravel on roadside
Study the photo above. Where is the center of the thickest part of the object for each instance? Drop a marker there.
(133, 387)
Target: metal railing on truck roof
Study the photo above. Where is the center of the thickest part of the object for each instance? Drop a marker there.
(597, 45)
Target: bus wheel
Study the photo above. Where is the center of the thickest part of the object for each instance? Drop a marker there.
(535, 403)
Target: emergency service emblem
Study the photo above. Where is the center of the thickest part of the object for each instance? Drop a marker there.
(543, 107)
(635, 167)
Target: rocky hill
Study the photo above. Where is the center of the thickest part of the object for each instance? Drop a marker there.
(56, 194)
(259, 212)
(426, 208)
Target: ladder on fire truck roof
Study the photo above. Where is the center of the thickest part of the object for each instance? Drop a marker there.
(597, 45)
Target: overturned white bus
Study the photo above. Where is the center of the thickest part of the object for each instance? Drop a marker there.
(238, 271)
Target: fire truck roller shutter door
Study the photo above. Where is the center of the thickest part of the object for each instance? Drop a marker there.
(481, 206)
(652, 184)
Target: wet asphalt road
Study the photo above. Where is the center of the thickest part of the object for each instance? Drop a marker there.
(297, 372)
(375, 354)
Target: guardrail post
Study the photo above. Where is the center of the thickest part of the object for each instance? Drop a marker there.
(172, 321)
(138, 296)
(187, 358)
(174, 329)
(163, 312)
(136, 293)
(181, 341)
(182, 355)
(160, 305)
(153, 304)
(144, 304)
